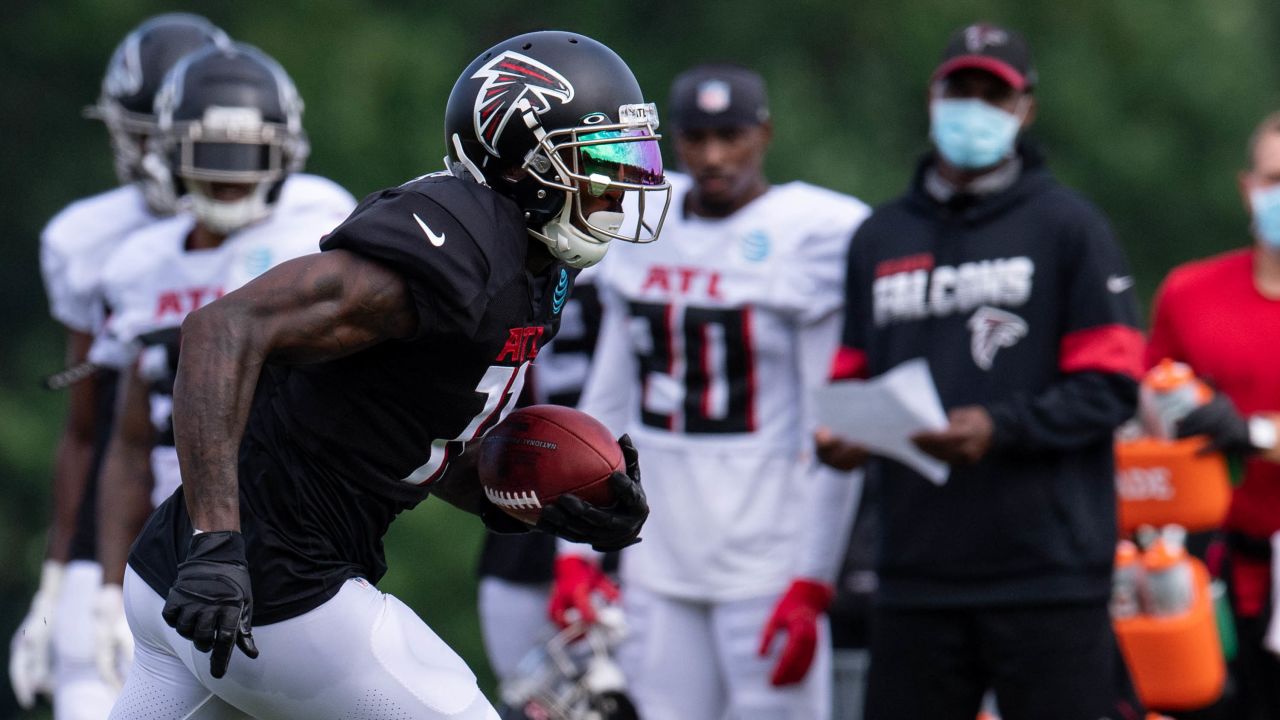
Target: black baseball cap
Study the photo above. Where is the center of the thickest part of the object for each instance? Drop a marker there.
(998, 50)
(716, 96)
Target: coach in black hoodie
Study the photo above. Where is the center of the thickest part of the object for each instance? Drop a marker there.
(1014, 290)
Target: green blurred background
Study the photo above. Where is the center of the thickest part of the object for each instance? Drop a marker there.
(1145, 106)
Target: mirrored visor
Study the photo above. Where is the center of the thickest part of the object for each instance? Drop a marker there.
(628, 156)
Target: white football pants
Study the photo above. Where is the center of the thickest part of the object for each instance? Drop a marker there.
(513, 620)
(79, 692)
(690, 660)
(165, 474)
(363, 655)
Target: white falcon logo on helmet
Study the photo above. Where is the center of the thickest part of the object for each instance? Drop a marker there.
(124, 76)
(510, 78)
(993, 329)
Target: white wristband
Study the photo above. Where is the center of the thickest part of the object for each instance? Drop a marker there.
(1262, 433)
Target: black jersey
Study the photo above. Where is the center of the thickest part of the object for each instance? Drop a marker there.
(333, 451)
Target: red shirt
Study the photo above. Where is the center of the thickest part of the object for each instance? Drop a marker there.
(1209, 314)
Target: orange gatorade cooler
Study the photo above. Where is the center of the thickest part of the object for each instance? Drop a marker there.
(1176, 660)
(1163, 482)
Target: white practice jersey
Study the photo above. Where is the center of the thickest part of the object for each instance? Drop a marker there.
(711, 338)
(74, 248)
(154, 281)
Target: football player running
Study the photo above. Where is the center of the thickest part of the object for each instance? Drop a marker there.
(230, 133)
(52, 653)
(339, 389)
(708, 346)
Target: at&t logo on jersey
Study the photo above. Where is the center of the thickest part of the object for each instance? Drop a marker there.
(755, 246)
(913, 288)
(561, 293)
(257, 261)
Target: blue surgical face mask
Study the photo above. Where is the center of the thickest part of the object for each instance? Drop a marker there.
(1266, 215)
(971, 134)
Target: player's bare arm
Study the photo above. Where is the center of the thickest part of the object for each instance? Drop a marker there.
(315, 308)
(75, 451)
(124, 499)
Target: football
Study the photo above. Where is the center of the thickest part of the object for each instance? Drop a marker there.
(542, 452)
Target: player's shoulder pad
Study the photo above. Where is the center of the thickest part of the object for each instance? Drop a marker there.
(146, 251)
(307, 193)
(90, 222)
(823, 205)
(821, 221)
(280, 237)
(432, 219)
(449, 238)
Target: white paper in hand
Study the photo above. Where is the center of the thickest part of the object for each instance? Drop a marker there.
(883, 413)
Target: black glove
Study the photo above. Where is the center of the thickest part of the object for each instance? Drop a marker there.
(1227, 429)
(211, 602)
(606, 529)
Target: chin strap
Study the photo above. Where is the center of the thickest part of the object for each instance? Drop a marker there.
(571, 245)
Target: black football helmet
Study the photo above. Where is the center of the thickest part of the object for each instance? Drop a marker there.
(230, 115)
(545, 116)
(134, 74)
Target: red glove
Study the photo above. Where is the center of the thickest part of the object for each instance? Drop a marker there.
(796, 614)
(576, 581)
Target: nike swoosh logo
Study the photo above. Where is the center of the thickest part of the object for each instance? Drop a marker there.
(435, 239)
(1119, 283)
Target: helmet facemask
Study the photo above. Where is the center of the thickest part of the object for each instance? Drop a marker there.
(233, 145)
(597, 157)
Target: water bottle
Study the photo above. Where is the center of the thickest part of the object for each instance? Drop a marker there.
(1168, 393)
(1126, 581)
(1170, 581)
